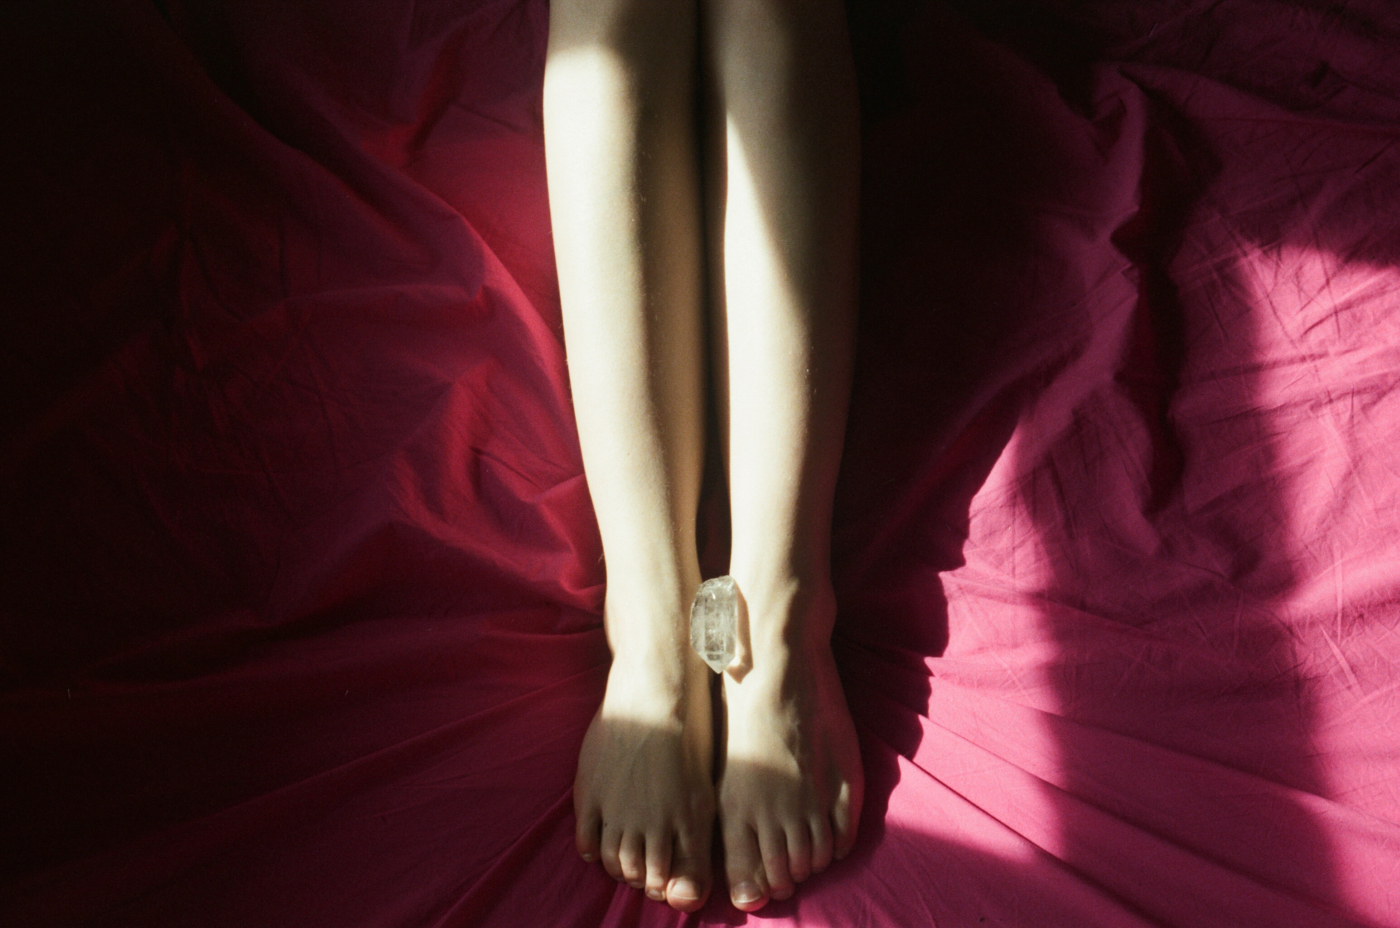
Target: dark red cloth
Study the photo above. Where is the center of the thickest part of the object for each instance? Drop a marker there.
(299, 579)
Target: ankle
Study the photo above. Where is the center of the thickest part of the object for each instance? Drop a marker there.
(649, 611)
(657, 687)
(788, 619)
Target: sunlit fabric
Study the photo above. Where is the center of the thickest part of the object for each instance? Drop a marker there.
(299, 578)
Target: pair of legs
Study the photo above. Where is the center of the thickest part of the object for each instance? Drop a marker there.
(633, 244)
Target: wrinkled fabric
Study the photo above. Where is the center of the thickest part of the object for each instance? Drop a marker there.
(300, 584)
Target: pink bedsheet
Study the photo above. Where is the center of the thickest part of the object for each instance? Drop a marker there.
(299, 580)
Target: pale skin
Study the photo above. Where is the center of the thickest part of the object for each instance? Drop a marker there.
(632, 245)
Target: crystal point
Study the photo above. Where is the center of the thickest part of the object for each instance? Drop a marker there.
(714, 622)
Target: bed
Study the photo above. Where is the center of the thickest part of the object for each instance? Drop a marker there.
(299, 578)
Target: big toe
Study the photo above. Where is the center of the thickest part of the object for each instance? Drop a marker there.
(743, 864)
(689, 885)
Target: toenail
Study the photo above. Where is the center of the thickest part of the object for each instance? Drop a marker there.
(745, 893)
(589, 858)
(685, 890)
(655, 895)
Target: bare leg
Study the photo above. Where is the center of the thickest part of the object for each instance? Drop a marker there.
(623, 178)
(783, 87)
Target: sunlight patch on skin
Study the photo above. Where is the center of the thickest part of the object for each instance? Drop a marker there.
(576, 75)
(753, 262)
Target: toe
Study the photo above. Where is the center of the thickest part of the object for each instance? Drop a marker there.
(772, 843)
(608, 851)
(587, 834)
(845, 816)
(799, 851)
(690, 872)
(632, 857)
(820, 827)
(743, 864)
(658, 865)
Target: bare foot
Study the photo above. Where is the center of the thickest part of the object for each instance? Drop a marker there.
(791, 789)
(643, 795)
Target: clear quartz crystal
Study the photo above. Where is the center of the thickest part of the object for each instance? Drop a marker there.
(714, 622)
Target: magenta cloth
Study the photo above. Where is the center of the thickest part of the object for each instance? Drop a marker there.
(299, 577)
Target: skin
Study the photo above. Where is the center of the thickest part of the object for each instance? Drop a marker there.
(781, 170)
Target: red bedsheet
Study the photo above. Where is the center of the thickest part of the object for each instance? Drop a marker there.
(299, 580)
